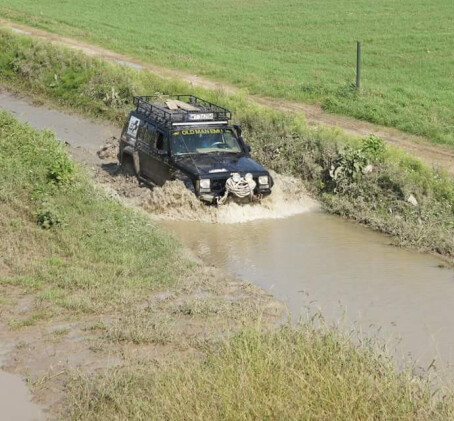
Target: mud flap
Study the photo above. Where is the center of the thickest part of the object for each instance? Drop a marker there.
(135, 158)
(129, 153)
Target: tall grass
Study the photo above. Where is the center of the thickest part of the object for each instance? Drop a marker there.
(292, 373)
(302, 50)
(360, 179)
(69, 242)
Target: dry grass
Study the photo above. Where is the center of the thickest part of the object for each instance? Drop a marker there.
(142, 327)
(293, 373)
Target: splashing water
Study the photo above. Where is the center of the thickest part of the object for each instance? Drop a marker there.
(174, 201)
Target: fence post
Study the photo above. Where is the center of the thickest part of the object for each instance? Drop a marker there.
(358, 65)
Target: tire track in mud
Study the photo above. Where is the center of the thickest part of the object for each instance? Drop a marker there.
(435, 155)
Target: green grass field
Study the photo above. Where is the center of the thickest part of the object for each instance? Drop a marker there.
(303, 50)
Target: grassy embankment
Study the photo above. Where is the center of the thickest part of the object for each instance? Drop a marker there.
(361, 179)
(61, 237)
(82, 254)
(303, 51)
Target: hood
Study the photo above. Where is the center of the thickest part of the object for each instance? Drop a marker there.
(212, 164)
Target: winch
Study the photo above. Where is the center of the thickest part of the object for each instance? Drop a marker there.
(240, 187)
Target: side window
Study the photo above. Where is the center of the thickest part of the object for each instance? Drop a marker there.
(141, 133)
(162, 142)
(150, 136)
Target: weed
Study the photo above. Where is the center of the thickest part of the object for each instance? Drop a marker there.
(62, 331)
(48, 218)
(288, 373)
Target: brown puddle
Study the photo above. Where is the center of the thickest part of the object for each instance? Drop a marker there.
(15, 398)
(315, 261)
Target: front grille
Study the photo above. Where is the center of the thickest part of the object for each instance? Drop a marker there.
(218, 186)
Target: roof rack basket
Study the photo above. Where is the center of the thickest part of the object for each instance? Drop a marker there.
(198, 110)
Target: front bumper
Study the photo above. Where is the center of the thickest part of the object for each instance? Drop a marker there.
(237, 188)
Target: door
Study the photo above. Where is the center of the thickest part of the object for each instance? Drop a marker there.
(153, 155)
(161, 154)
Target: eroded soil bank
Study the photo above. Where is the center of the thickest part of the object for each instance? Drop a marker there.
(310, 260)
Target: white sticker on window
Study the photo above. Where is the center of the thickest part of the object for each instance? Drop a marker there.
(133, 127)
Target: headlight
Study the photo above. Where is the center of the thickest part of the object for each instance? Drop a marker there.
(248, 176)
(205, 184)
(263, 179)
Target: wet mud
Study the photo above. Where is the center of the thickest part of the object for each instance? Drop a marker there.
(15, 398)
(174, 202)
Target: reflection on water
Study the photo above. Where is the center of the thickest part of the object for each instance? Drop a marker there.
(342, 269)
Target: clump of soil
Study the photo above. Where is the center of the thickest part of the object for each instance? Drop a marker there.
(110, 149)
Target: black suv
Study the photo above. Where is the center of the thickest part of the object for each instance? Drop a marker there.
(184, 137)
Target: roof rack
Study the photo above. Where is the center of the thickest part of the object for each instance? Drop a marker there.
(180, 110)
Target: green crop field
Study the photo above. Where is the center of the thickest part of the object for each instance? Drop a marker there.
(300, 50)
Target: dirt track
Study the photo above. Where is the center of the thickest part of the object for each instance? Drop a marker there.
(436, 155)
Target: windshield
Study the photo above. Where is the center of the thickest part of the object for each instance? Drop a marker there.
(197, 141)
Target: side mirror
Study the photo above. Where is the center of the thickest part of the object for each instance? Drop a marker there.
(238, 129)
(248, 148)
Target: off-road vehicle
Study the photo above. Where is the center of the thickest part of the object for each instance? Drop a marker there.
(187, 138)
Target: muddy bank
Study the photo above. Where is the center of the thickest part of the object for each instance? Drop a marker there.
(106, 287)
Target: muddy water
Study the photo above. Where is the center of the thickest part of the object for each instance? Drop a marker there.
(315, 261)
(308, 260)
(15, 399)
(83, 134)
